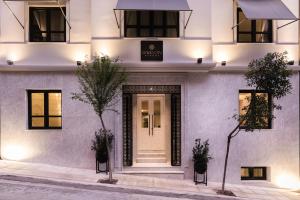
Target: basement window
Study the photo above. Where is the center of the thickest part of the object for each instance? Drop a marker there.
(47, 24)
(253, 173)
(44, 109)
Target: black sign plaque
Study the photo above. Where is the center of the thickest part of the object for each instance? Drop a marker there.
(152, 50)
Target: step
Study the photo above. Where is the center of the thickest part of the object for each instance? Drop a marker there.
(151, 160)
(151, 155)
(158, 172)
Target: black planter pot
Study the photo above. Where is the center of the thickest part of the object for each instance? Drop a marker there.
(200, 166)
(101, 157)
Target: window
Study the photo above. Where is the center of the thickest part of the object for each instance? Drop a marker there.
(253, 31)
(253, 173)
(47, 24)
(44, 109)
(151, 24)
(244, 100)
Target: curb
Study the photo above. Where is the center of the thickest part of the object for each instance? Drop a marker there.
(114, 188)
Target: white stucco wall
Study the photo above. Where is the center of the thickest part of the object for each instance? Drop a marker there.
(208, 102)
(212, 101)
(67, 147)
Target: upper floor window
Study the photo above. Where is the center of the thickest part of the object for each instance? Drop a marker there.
(151, 24)
(253, 31)
(44, 109)
(47, 24)
(244, 100)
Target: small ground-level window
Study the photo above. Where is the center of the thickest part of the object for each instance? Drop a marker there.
(253, 173)
(44, 109)
(47, 24)
(244, 100)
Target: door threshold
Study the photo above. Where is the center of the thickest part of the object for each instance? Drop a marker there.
(147, 165)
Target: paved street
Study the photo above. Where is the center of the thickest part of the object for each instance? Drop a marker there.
(28, 181)
(12, 190)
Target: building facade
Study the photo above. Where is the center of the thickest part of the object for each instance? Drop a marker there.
(185, 60)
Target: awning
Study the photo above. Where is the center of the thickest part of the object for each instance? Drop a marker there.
(59, 3)
(266, 9)
(155, 5)
(167, 5)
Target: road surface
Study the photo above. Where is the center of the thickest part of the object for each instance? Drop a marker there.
(35, 189)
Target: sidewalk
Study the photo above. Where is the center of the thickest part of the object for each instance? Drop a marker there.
(88, 177)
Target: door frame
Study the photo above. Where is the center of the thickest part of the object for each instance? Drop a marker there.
(176, 116)
(166, 122)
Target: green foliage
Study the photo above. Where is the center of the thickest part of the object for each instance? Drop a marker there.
(201, 156)
(270, 75)
(99, 144)
(100, 83)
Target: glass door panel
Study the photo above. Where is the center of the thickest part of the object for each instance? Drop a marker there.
(145, 114)
(157, 114)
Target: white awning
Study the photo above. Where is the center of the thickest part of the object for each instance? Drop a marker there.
(32, 2)
(266, 9)
(166, 5)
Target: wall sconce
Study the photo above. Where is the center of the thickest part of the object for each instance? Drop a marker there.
(10, 62)
(79, 63)
(199, 60)
(291, 62)
(223, 63)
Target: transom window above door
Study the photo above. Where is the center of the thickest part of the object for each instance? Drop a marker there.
(253, 31)
(151, 24)
(47, 24)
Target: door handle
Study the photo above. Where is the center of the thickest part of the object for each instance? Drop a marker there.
(149, 122)
(152, 124)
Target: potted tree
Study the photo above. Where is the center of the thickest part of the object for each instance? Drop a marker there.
(99, 146)
(100, 84)
(271, 75)
(201, 158)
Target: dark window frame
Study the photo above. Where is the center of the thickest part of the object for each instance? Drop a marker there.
(269, 106)
(48, 24)
(251, 174)
(151, 25)
(253, 31)
(46, 116)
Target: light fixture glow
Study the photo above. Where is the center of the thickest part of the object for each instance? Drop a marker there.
(15, 152)
(80, 57)
(287, 181)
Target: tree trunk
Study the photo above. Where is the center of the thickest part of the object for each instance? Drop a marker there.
(227, 155)
(108, 150)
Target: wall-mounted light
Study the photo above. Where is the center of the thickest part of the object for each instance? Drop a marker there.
(10, 62)
(79, 63)
(199, 60)
(223, 63)
(291, 62)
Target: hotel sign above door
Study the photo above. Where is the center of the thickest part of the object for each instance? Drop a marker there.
(151, 50)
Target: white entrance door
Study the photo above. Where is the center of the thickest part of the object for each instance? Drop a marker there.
(151, 131)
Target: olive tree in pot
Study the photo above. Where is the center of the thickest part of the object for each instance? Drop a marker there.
(100, 86)
(201, 158)
(270, 75)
